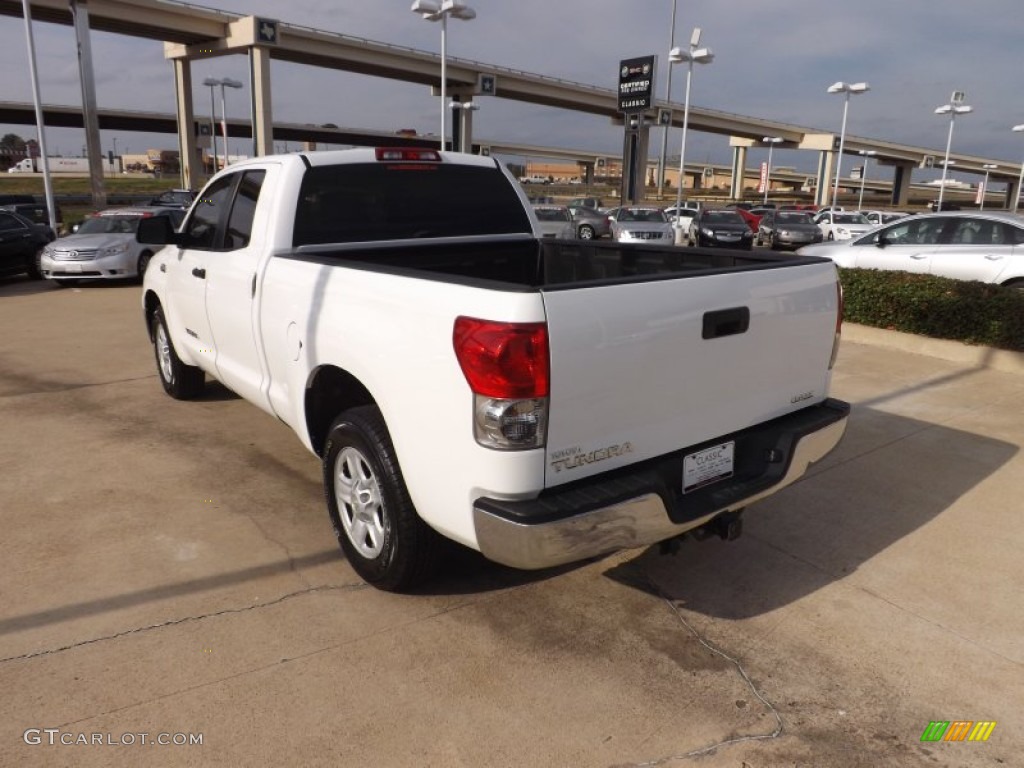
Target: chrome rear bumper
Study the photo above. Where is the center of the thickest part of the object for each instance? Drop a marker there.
(635, 522)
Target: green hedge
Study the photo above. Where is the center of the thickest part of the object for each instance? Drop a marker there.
(975, 313)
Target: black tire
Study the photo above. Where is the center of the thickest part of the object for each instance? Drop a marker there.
(586, 232)
(180, 381)
(35, 266)
(140, 268)
(379, 530)
(774, 243)
(831, 235)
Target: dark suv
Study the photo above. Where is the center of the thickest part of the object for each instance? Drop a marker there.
(21, 243)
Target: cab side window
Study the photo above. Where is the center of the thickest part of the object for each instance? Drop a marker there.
(239, 229)
(204, 225)
(9, 222)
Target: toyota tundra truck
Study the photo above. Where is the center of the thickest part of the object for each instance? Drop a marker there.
(459, 377)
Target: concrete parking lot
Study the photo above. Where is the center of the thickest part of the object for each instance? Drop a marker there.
(169, 569)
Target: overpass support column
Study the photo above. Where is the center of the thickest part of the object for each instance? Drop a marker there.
(739, 172)
(1012, 193)
(188, 149)
(826, 161)
(80, 19)
(901, 177)
(259, 87)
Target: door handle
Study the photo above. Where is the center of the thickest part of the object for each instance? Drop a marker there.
(199, 272)
(993, 257)
(918, 256)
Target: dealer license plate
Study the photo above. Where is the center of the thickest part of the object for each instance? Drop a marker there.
(708, 466)
(73, 268)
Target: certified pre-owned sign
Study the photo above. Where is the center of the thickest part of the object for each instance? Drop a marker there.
(636, 84)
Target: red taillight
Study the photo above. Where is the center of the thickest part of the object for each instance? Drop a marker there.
(407, 155)
(503, 360)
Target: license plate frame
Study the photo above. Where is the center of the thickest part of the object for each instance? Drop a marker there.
(709, 465)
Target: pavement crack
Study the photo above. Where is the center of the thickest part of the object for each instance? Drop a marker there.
(776, 733)
(186, 620)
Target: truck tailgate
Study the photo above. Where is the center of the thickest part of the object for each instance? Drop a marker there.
(642, 369)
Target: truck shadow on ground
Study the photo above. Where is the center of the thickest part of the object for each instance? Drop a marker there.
(891, 476)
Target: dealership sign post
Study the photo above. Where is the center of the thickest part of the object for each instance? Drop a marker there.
(636, 95)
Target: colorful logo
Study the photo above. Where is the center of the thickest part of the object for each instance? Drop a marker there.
(958, 730)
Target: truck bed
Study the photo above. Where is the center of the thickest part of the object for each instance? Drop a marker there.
(529, 264)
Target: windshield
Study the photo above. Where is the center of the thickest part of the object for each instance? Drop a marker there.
(850, 218)
(106, 225)
(723, 217)
(552, 214)
(642, 214)
(793, 218)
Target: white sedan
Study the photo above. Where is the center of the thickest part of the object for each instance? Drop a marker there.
(837, 225)
(983, 246)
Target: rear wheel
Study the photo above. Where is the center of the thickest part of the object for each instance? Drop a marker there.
(180, 381)
(379, 530)
(586, 232)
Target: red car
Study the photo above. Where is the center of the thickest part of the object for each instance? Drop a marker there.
(752, 219)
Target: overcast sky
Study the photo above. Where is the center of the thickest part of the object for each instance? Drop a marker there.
(774, 59)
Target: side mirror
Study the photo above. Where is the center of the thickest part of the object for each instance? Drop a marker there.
(158, 231)
(882, 241)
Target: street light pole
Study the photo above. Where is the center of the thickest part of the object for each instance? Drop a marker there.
(954, 108)
(989, 167)
(432, 11)
(668, 99)
(211, 83)
(679, 56)
(847, 90)
(229, 83)
(771, 141)
(866, 154)
(1020, 178)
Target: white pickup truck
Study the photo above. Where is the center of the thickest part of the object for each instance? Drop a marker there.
(540, 401)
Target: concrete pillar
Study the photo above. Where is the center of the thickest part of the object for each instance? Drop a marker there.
(739, 172)
(80, 18)
(823, 192)
(588, 173)
(1012, 193)
(901, 177)
(259, 87)
(189, 153)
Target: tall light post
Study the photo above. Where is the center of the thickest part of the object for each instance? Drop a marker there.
(431, 10)
(212, 83)
(226, 82)
(847, 90)
(866, 154)
(668, 98)
(771, 141)
(693, 56)
(1020, 178)
(955, 107)
(989, 167)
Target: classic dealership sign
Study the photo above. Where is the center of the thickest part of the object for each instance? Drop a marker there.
(636, 84)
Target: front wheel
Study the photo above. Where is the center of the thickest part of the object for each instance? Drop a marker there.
(586, 232)
(180, 381)
(35, 266)
(379, 530)
(143, 263)
(831, 236)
